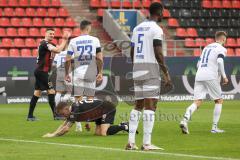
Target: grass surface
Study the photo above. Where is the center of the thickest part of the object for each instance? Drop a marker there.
(166, 134)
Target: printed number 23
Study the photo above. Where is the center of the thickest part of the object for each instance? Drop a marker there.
(140, 43)
(82, 50)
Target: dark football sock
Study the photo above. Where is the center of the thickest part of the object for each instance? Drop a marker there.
(115, 129)
(32, 106)
(51, 101)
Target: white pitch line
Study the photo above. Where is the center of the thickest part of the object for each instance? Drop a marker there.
(118, 149)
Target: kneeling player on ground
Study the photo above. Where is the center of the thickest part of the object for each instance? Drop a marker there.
(100, 112)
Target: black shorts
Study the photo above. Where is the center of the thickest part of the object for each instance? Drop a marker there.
(106, 118)
(42, 81)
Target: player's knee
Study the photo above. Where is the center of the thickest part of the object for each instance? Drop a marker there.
(37, 93)
(103, 133)
(51, 91)
(219, 101)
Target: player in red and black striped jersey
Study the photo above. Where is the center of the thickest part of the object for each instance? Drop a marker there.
(46, 52)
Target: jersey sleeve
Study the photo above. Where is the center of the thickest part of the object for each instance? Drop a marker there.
(70, 50)
(157, 33)
(222, 52)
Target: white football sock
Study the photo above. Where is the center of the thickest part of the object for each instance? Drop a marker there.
(216, 114)
(148, 122)
(189, 111)
(57, 98)
(78, 126)
(133, 125)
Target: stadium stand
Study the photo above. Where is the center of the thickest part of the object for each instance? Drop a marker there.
(195, 19)
(23, 22)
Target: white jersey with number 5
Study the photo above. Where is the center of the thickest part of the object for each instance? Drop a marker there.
(59, 60)
(144, 56)
(207, 65)
(83, 49)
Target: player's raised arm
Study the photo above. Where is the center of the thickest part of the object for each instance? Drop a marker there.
(59, 48)
(68, 60)
(62, 129)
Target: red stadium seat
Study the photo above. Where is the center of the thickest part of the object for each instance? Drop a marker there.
(20, 12)
(6, 42)
(18, 42)
(181, 32)
(41, 12)
(37, 22)
(137, 4)
(13, 3)
(226, 4)
(197, 52)
(76, 32)
(2, 32)
(231, 42)
(206, 4)
(42, 32)
(236, 4)
(94, 3)
(115, 3)
(70, 22)
(192, 32)
(35, 52)
(34, 32)
(58, 32)
(35, 3)
(48, 22)
(230, 52)
(9, 12)
(145, 12)
(172, 22)
(63, 12)
(56, 3)
(209, 40)
(16, 22)
(238, 42)
(127, 3)
(59, 22)
(11, 32)
(103, 4)
(1, 12)
(100, 12)
(189, 42)
(54, 41)
(166, 13)
(146, 3)
(3, 53)
(4, 22)
(14, 53)
(200, 42)
(3, 3)
(45, 3)
(237, 51)
(30, 12)
(26, 53)
(30, 42)
(38, 40)
(23, 3)
(22, 32)
(216, 4)
(27, 22)
(52, 12)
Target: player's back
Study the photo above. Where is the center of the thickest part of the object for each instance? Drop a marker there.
(59, 61)
(145, 63)
(84, 51)
(208, 66)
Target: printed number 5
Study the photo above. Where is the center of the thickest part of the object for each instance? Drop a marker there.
(140, 43)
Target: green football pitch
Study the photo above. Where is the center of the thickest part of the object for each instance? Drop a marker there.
(22, 140)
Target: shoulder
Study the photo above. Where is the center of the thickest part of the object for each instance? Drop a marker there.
(155, 27)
